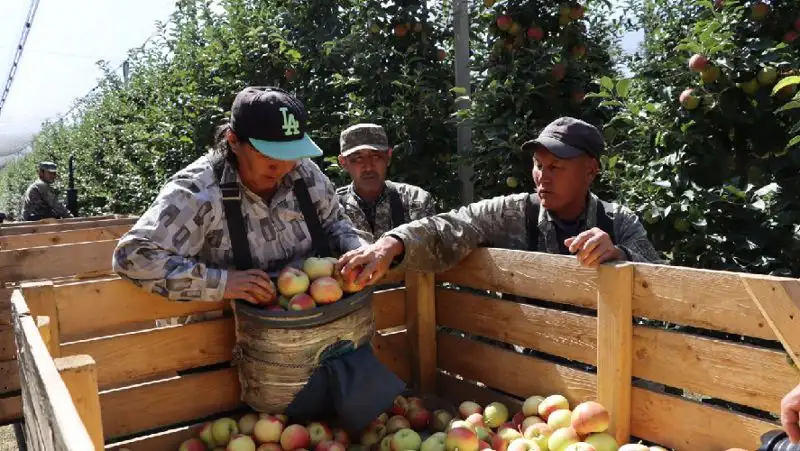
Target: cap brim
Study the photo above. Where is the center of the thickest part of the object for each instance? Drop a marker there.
(365, 147)
(555, 147)
(288, 150)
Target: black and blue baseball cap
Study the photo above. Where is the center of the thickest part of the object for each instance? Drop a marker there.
(274, 122)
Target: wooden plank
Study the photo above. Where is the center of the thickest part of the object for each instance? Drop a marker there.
(41, 301)
(459, 390)
(45, 396)
(614, 346)
(421, 327)
(9, 376)
(43, 324)
(63, 237)
(60, 227)
(166, 440)
(86, 308)
(56, 261)
(778, 301)
(390, 308)
(391, 349)
(126, 358)
(744, 374)
(80, 376)
(7, 349)
(393, 277)
(10, 409)
(142, 407)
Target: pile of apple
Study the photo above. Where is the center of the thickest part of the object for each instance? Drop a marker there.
(313, 286)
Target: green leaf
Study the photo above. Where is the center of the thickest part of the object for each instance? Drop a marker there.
(458, 90)
(788, 81)
(789, 106)
(607, 83)
(623, 86)
(602, 95)
(735, 191)
(795, 141)
(767, 189)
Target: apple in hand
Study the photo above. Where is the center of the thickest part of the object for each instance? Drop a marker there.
(405, 440)
(292, 281)
(223, 429)
(241, 442)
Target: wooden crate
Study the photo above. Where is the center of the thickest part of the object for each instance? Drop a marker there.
(502, 325)
(69, 248)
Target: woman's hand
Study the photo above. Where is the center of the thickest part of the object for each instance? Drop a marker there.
(252, 285)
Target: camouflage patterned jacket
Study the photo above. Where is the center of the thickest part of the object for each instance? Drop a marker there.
(180, 247)
(40, 202)
(440, 242)
(373, 220)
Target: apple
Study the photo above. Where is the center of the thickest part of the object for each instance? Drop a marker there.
(462, 424)
(750, 87)
(373, 435)
(495, 414)
(504, 22)
(441, 55)
(223, 429)
(400, 30)
(419, 418)
(790, 37)
(319, 432)
(589, 417)
(767, 76)
(484, 446)
(576, 12)
(434, 443)
(206, 434)
(578, 96)
(268, 429)
(552, 403)
(289, 74)
(688, 100)
(698, 62)
(633, 447)
(282, 418)
(538, 433)
(523, 444)
(484, 433)
(476, 419)
(383, 418)
(192, 444)
(561, 418)
(461, 439)
(415, 402)
(295, 437)
(340, 435)
(536, 33)
(247, 422)
(396, 423)
(504, 437)
(241, 442)
(531, 406)
(440, 419)
(292, 281)
(467, 408)
(301, 301)
(406, 440)
(374, 28)
(564, 20)
(759, 10)
(579, 51)
(330, 445)
(399, 405)
(316, 267)
(560, 439)
(602, 441)
(559, 71)
(710, 75)
(349, 284)
(580, 446)
(269, 447)
(283, 301)
(527, 422)
(386, 443)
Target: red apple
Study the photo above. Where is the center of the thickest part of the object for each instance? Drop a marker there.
(759, 10)
(330, 445)
(289, 74)
(318, 433)
(301, 301)
(269, 447)
(560, 439)
(295, 437)
(325, 290)
(559, 71)
(396, 423)
(461, 439)
(552, 403)
(504, 437)
(419, 418)
(483, 446)
(698, 62)
(268, 429)
(241, 442)
(476, 419)
(348, 283)
(504, 22)
(415, 402)
(589, 417)
(400, 30)
(688, 99)
(790, 37)
(467, 408)
(535, 33)
(292, 281)
(406, 439)
(399, 406)
(340, 435)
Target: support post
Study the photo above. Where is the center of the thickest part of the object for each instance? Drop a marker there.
(41, 300)
(614, 345)
(421, 327)
(79, 373)
(463, 78)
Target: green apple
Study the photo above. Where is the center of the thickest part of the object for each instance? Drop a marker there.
(223, 429)
(602, 441)
(434, 443)
(495, 414)
(406, 440)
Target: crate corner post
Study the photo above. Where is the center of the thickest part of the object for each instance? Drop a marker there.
(421, 326)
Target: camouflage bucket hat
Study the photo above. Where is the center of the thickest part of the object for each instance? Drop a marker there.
(363, 136)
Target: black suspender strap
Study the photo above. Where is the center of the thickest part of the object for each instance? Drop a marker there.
(318, 239)
(532, 222)
(604, 222)
(232, 203)
(395, 206)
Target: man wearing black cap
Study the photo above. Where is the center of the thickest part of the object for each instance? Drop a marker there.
(376, 205)
(563, 217)
(40, 201)
(249, 207)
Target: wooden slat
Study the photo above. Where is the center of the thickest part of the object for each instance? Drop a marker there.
(147, 406)
(421, 321)
(392, 350)
(64, 237)
(672, 421)
(10, 409)
(393, 277)
(390, 308)
(52, 422)
(675, 294)
(778, 301)
(135, 356)
(56, 261)
(86, 308)
(60, 227)
(614, 346)
(166, 440)
(9, 376)
(459, 390)
(743, 374)
(79, 374)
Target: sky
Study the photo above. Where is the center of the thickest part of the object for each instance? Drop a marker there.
(66, 40)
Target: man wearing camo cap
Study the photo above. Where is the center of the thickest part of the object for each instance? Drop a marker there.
(376, 205)
(562, 217)
(40, 201)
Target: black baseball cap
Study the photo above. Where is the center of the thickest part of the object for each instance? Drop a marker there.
(567, 137)
(275, 123)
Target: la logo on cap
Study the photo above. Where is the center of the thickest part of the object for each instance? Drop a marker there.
(290, 124)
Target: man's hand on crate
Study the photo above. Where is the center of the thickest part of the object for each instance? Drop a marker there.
(376, 259)
(790, 414)
(252, 285)
(594, 247)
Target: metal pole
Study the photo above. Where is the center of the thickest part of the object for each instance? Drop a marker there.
(72, 194)
(463, 78)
